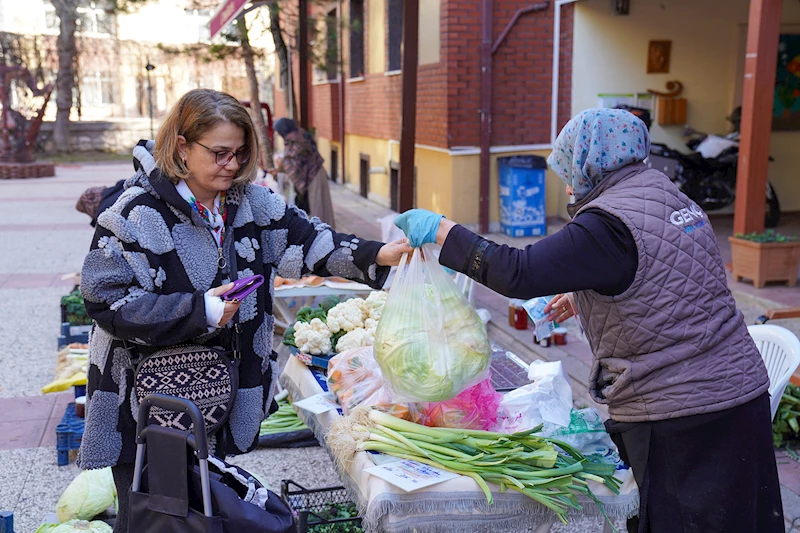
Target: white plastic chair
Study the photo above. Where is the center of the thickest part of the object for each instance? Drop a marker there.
(780, 349)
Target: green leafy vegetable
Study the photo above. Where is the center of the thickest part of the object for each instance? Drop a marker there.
(337, 511)
(73, 526)
(329, 302)
(307, 314)
(74, 308)
(288, 337)
(786, 424)
(89, 494)
(769, 235)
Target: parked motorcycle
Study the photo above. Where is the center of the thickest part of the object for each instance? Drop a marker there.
(708, 174)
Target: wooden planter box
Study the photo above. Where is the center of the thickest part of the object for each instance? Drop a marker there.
(765, 261)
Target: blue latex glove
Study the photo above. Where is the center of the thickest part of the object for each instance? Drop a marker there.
(419, 225)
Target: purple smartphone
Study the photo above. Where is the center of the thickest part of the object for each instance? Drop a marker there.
(242, 288)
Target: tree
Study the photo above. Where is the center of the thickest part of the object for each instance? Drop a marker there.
(67, 13)
(283, 55)
(255, 101)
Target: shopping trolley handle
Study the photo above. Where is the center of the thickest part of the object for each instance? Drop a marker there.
(179, 405)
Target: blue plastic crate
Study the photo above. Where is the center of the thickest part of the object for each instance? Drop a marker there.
(69, 433)
(70, 334)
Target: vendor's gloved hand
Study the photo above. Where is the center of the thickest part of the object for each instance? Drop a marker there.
(419, 225)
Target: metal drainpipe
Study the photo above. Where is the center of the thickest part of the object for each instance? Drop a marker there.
(340, 26)
(556, 68)
(486, 112)
(488, 48)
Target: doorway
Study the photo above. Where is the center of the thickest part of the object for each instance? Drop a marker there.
(363, 173)
(394, 185)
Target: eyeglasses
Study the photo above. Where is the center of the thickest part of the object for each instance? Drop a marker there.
(224, 157)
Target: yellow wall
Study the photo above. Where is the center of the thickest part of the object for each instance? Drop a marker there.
(437, 182)
(324, 147)
(429, 31)
(446, 183)
(610, 56)
(378, 152)
(376, 36)
(466, 199)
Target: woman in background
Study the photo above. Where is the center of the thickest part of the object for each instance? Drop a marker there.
(302, 162)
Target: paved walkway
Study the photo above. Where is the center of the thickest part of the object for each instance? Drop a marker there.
(45, 239)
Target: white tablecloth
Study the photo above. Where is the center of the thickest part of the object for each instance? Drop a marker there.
(455, 506)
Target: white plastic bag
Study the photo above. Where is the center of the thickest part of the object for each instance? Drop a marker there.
(430, 342)
(547, 400)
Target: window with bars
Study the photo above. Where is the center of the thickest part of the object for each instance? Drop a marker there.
(97, 88)
(395, 37)
(331, 45)
(356, 38)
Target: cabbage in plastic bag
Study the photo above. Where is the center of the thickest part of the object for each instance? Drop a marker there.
(430, 343)
(89, 494)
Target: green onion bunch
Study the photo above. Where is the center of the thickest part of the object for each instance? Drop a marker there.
(284, 420)
(548, 471)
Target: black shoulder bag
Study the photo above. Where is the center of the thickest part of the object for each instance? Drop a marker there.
(208, 376)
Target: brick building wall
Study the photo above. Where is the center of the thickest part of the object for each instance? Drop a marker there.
(448, 93)
(325, 110)
(565, 68)
(521, 73)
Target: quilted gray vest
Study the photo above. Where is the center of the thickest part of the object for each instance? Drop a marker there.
(673, 344)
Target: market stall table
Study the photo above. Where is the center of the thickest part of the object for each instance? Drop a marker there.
(457, 505)
(304, 294)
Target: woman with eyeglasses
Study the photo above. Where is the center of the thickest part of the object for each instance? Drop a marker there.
(164, 253)
(302, 162)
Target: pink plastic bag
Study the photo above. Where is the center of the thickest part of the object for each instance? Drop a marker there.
(474, 408)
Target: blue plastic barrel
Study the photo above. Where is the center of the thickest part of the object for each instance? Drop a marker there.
(522, 198)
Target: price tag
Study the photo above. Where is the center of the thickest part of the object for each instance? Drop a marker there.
(410, 475)
(318, 404)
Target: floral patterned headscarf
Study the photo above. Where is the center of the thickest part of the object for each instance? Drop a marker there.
(595, 143)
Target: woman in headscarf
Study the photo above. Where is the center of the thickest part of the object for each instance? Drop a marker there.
(302, 162)
(685, 386)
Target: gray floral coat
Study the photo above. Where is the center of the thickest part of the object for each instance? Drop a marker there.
(151, 261)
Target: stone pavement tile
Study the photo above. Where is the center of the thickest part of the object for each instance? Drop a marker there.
(26, 408)
(310, 467)
(21, 434)
(29, 327)
(43, 227)
(29, 281)
(791, 508)
(788, 471)
(39, 486)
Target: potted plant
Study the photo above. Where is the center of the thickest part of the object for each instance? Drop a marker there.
(764, 257)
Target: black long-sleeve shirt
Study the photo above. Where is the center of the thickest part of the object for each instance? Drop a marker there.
(596, 250)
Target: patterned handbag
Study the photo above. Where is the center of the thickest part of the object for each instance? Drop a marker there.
(207, 376)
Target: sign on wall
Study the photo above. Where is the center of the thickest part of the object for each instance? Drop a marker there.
(786, 110)
(226, 12)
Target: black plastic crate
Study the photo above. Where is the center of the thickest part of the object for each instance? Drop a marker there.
(314, 510)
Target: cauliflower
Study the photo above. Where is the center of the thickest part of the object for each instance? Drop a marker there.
(371, 325)
(355, 339)
(313, 337)
(347, 315)
(375, 302)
